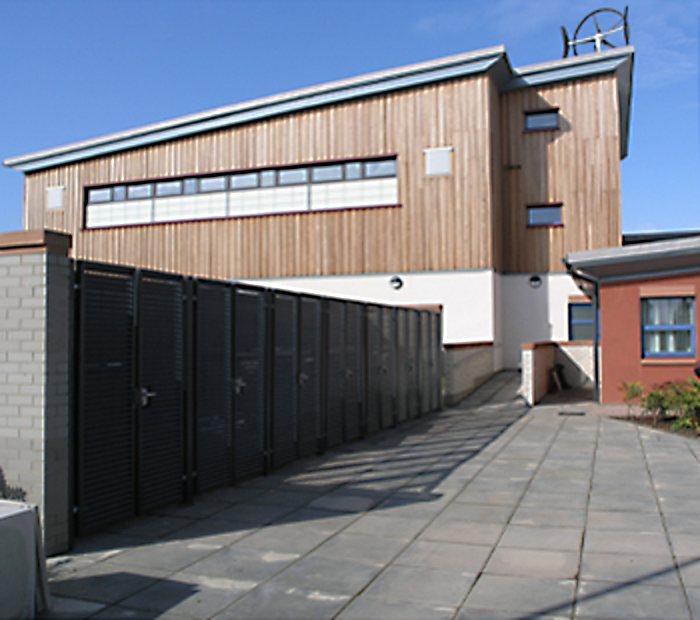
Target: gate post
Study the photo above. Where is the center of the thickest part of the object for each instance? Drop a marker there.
(36, 292)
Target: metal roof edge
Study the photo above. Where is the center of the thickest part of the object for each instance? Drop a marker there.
(632, 253)
(333, 92)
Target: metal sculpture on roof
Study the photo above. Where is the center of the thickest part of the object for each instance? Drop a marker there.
(602, 28)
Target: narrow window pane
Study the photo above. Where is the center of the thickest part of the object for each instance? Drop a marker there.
(327, 173)
(119, 193)
(293, 177)
(581, 312)
(139, 191)
(582, 331)
(169, 188)
(386, 168)
(267, 178)
(212, 184)
(353, 171)
(99, 195)
(244, 181)
(544, 216)
(660, 342)
(190, 186)
(542, 120)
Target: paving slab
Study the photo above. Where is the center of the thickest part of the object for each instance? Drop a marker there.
(485, 511)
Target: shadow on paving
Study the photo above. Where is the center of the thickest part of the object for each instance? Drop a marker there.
(401, 472)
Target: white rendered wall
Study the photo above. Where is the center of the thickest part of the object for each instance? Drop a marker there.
(533, 314)
(467, 297)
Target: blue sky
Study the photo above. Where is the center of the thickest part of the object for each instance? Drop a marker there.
(76, 69)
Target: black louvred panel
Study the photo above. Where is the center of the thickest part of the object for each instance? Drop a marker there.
(105, 439)
(424, 362)
(401, 365)
(374, 368)
(213, 370)
(434, 361)
(161, 362)
(285, 378)
(249, 382)
(335, 377)
(413, 389)
(309, 376)
(354, 353)
(388, 357)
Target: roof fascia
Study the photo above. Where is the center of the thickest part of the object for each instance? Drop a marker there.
(416, 75)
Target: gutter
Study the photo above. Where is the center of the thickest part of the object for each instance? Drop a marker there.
(578, 275)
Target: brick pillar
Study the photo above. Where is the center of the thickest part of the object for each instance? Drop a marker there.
(36, 278)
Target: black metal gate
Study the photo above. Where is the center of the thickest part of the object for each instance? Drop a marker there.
(374, 368)
(160, 401)
(285, 376)
(184, 385)
(213, 385)
(249, 371)
(309, 375)
(335, 375)
(105, 424)
(354, 375)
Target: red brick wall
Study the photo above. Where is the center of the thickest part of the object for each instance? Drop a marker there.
(621, 340)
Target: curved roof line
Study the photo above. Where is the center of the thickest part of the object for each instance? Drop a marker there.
(493, 60)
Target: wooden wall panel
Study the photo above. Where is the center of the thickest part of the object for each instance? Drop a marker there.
(473, 219)
(578, 166)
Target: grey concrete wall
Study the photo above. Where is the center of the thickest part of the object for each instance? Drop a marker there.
(35, 291)
(465, 369)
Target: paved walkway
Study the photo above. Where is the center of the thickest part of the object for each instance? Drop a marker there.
(485, 511)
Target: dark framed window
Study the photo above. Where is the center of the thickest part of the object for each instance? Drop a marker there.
(99, 195)
(119, 193)
(325, 174)
(137, 192)
(581, 323)
(668, 327)
(545, 215)
(385, 168)
(294, 176)
(169, 188)
(244, 181)
(212, 184)
(268, 178)
(542, 120)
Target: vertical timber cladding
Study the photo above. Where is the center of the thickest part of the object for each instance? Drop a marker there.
(388, 360)
(249, 370)
(213, 384)
(309, 375)
(284, 378)
(354, 370)
(160, 390)
(105, 414)
(374, 368)
(402, 364)
(335, 372)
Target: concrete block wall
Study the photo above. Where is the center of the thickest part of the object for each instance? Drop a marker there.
(465, 369)
(35, 332)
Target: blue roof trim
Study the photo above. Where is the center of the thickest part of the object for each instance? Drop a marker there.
(494, 61)
(261, 111)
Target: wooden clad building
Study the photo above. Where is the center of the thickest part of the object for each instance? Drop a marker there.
(462, 168)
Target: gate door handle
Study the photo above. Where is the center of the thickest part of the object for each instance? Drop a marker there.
(238, 385)
(146, 396)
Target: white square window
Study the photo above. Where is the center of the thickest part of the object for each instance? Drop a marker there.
(438, 161)
(54, 197)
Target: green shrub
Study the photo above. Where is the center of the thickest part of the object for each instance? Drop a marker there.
(631, 392)
(678, 400)
(9, 492)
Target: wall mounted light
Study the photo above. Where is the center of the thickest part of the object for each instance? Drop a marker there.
(396, 283)
(535, 281)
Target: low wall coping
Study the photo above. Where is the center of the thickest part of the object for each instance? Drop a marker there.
(467, 345)
(531, 346)
(32, 241)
